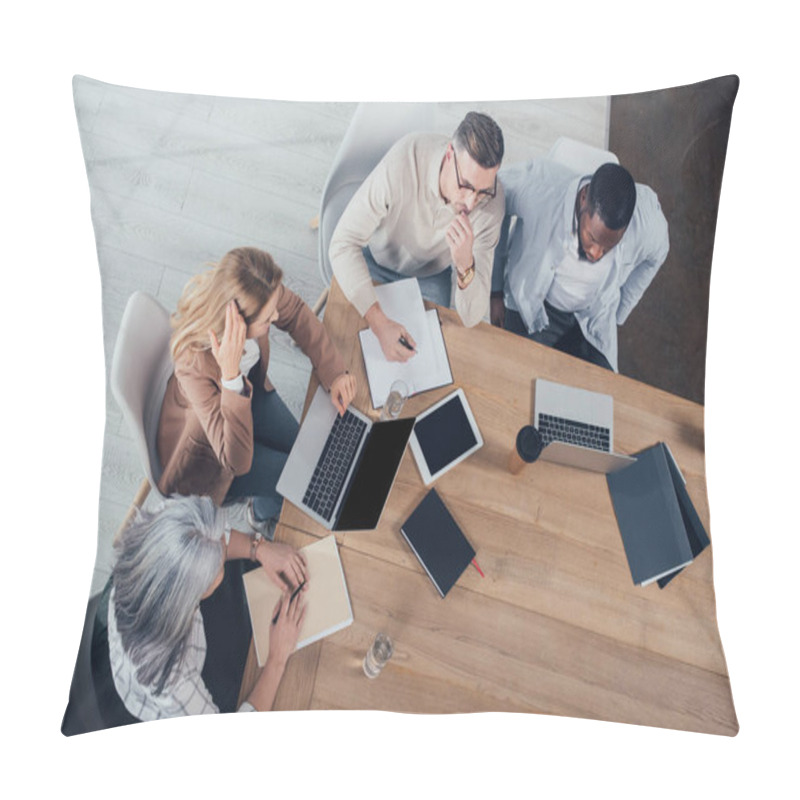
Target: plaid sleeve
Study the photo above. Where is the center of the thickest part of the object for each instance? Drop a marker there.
(189, 692)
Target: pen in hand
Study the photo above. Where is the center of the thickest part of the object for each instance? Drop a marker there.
(405, 343)
(294, 594)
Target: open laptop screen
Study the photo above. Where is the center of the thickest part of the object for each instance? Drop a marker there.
(374, 475)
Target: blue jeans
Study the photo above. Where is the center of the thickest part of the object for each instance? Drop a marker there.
(274, 432)
(436, 288)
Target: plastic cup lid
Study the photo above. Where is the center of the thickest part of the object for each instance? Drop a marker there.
(529, 443)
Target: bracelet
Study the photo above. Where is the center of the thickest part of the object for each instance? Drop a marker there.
(254, 543)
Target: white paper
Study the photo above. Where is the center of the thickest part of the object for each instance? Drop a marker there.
(429, 367)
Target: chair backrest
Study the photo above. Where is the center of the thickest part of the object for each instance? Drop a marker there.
(94, 704)
(83, 711)
(140, 368)
(375, 127)
(583, 158)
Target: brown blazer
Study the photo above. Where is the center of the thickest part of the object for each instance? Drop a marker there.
(205, 433)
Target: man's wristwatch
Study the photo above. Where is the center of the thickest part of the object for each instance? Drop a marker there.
(465, 279)
(254, 543)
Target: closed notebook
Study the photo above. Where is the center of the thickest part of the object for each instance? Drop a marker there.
(437, 542)
(695, 532)
(326, 598)
(649, 517)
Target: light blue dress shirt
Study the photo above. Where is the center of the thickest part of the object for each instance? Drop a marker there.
(541, 195)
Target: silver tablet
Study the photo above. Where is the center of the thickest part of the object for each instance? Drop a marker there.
(444, 435)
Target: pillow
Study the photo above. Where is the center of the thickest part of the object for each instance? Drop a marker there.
(178, 180)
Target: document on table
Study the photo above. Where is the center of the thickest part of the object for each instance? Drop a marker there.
(429, 368)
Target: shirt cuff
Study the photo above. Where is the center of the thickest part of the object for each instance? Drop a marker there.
(226, 527)
(235, 384)
(246, 707)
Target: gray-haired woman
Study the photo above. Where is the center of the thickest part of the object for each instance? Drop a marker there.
(167, 562)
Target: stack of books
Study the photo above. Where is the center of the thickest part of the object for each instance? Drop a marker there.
(661, 531)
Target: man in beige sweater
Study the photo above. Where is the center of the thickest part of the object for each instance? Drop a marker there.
(431, 209)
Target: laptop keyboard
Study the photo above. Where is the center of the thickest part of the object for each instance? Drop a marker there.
(328, 479)
(573, 432)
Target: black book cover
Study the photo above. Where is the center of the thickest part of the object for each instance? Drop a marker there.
(437, 542)
(649, 516)
(696, 533)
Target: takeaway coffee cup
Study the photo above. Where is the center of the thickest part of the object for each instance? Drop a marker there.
(526, 450)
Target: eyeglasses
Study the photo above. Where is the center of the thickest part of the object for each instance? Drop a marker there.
(468, 187)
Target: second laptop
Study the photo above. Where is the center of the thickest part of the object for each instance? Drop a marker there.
(341, 469)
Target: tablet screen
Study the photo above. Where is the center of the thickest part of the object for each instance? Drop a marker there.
(444, 434)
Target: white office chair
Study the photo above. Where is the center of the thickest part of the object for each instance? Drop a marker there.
(375, 127)
(140, 368)
(583, 158)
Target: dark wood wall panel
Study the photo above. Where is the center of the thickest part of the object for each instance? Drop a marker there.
(674, 140)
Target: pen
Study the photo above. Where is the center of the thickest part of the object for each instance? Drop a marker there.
(294, 594)
(404, 342)
(475, 564)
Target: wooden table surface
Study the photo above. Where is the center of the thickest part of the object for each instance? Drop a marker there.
(557, 625)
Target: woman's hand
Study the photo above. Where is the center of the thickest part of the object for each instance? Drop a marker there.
(343, 390)
(285, 566)
(288, 615)
(228, 352)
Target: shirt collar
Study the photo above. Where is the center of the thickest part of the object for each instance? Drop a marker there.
(570, 217)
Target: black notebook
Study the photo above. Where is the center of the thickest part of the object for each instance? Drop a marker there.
(437, 542)
(695, 532)
(660, 529)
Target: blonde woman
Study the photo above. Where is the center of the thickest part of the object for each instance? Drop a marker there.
(224, 431)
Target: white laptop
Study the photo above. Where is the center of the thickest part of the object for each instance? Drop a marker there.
(577, 427)
(341, 469)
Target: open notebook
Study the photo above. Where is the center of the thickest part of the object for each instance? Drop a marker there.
(327, 600)
(430, 367)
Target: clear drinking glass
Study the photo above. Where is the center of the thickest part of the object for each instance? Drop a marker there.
(398, 394)
(379, 653)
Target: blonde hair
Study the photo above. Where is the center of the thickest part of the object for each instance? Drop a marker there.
(247, 275)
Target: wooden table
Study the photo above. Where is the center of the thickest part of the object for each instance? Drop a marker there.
(556, 626)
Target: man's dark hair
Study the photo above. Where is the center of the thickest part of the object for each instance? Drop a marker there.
(612, 195)
(482, 138)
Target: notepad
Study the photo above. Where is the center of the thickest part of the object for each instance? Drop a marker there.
(429, 368)
(438, 543)
(327, 600)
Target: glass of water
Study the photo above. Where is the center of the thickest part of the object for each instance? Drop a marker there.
(379, 653)
(398, 394)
